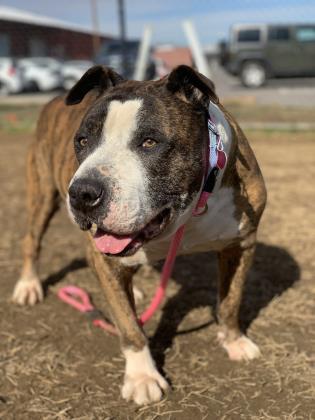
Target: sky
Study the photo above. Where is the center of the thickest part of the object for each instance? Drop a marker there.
(211, 18)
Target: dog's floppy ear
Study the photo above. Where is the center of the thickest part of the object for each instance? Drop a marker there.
(99, 77)
(191, 86)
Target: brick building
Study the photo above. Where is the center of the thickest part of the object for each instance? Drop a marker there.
(173, 56)
(24, 34)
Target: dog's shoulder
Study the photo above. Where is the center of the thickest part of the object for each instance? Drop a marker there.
(244, 175)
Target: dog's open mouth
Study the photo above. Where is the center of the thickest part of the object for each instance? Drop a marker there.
(126, 245)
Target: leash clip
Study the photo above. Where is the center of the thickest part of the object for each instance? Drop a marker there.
(94, 314)
(79, 299)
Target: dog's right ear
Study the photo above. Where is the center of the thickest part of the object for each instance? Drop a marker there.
(97, 77)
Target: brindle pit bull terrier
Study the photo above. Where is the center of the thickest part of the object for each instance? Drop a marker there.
(129, 159)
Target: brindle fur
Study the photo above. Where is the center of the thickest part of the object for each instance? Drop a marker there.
(52, 163)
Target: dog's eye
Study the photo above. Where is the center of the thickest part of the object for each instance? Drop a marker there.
(83, 141)
(148, 144)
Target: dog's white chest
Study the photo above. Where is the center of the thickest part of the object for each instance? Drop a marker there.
(214, 228)
(211, 231)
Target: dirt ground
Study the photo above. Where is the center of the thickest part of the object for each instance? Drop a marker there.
(55, 365)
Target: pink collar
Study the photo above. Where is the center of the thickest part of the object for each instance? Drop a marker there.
(215, 161)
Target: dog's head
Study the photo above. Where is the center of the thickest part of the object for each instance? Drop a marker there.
(140, 147)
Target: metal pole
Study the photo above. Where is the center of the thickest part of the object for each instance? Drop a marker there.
(143, 54)
(95, 27)
(196, 48)
(122, 31)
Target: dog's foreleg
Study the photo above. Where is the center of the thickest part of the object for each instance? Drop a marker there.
(41, 205)
(234, 264)
(142, 383)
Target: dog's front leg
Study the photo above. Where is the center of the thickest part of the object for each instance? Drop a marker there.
(142, 383)
(234, 264)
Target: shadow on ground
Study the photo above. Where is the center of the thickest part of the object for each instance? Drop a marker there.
(273, 272)
(54, 278)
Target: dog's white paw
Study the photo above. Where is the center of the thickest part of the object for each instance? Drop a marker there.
(240, 349)
(28, 292)
(144, 389)
(143, 383)
(137, 294)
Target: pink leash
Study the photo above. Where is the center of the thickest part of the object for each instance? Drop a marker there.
(79, 299)
(166, 273)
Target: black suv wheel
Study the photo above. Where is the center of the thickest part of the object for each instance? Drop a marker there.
(253, 74)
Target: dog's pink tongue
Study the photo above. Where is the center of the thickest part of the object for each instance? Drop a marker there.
(111, 244)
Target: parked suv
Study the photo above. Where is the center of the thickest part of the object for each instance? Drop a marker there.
(258, 52)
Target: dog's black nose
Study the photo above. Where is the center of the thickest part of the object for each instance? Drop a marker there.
(86, 194)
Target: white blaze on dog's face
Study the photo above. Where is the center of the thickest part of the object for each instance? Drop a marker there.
(130, 201)
(113, 159)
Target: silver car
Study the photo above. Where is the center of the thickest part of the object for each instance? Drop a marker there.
(41, 73)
